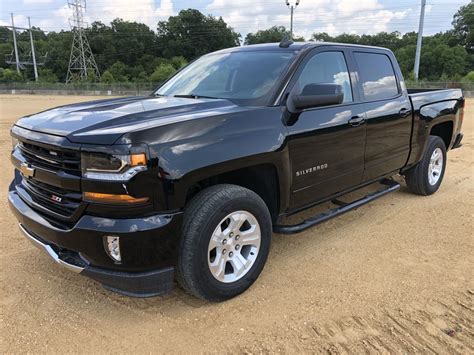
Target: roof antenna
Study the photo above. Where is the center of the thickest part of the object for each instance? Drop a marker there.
(286, 42)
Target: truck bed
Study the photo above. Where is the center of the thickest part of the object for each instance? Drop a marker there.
(422, 97)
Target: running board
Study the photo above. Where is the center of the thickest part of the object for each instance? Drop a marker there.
(344, 207)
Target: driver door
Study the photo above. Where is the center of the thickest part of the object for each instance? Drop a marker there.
(326, 144)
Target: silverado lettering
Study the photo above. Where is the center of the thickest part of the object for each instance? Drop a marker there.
(310, 170)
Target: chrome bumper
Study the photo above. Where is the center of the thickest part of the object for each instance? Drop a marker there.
(135, 284)
(50, 251)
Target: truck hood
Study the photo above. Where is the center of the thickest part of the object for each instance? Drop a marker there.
(104, 121)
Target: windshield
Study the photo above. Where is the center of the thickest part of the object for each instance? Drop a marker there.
(247, 76)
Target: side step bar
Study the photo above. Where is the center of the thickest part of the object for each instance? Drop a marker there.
(344, 207)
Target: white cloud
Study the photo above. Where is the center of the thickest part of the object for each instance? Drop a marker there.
(331, 16)
(34, 2)
(20, 21)
(144, 11)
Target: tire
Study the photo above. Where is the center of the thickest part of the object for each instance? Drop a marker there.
(205, 269)
(421, 179)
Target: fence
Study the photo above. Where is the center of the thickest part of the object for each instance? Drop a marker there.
(116, 89)
(144, 88)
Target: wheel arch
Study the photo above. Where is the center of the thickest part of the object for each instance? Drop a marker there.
(444, 130)
(263, 179)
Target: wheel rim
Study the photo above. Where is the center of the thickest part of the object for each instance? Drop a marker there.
(436, 166)
(234, 246)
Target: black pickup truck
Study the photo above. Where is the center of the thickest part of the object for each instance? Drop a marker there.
(190, 182)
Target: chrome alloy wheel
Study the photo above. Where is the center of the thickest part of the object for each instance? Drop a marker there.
(234, 246)
(436, 166)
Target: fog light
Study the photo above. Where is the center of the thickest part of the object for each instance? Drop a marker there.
(113, 247)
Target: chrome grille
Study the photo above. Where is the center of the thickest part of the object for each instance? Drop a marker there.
(53, 159)
(64, 165)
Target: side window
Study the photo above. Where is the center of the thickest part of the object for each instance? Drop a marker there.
(376, 75)
(329, 68)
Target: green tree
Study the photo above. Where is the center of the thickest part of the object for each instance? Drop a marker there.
(178, 62)
(191, 34)
(107, 77)
(122, 41)
(438, 58)
(10, 76)
(270, 35)
(321, 37)
(58, 47)
(469, 77)
(406, 59)
(119, 72)
(463, 23)
(162, 72)
(47, 76)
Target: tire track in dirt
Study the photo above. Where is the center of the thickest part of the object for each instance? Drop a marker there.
(431, 328)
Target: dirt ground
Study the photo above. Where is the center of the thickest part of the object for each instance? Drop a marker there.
(393, 276)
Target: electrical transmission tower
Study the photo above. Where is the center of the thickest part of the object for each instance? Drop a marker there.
(18, 59)
(81, 61)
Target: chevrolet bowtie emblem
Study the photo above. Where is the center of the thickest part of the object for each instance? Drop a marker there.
(26, 170)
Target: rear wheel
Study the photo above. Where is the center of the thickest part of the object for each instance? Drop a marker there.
(425, 178)
(225, 242)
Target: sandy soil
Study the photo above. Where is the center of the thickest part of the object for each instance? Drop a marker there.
(393, 276)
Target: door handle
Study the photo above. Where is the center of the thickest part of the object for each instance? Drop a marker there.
(356, 121)
(404, 112)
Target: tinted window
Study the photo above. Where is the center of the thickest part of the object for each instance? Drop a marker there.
(235, 75)
(377, 76)
(327, 67)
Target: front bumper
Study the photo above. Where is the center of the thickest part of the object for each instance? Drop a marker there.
(148, 247)
(144, 284)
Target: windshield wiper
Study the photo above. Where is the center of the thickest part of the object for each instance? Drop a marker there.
(194, 96)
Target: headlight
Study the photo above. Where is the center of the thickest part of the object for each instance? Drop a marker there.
(102, 166)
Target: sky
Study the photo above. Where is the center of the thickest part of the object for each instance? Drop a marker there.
(331, 16)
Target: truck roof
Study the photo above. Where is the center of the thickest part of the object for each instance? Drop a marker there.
(296, 46)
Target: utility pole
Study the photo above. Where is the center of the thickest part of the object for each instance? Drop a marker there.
(292, 6)
(17, 60)
(81, 60)
(419, 39)
(33, 50)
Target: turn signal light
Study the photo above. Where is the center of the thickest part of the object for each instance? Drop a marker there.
(113, 199)
(137, 159)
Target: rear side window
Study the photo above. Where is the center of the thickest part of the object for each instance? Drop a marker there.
(376, 75)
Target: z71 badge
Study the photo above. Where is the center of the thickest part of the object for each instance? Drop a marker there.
(312, 169)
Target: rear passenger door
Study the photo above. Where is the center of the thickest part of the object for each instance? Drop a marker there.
(388, 113)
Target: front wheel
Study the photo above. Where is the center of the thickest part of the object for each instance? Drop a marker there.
(225, 242)
(426, 177)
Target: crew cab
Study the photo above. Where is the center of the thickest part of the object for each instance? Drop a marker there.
(189, 183)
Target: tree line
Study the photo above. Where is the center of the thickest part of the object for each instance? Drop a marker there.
(132, 52)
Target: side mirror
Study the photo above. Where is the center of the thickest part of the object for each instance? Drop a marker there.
(315, 95)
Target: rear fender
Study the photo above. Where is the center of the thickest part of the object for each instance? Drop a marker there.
(429, 116)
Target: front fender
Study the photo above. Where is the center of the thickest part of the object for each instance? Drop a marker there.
(191, 151)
